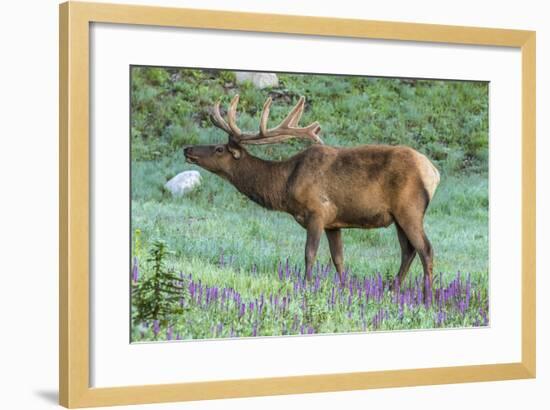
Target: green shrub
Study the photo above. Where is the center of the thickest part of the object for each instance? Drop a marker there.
(156, 295)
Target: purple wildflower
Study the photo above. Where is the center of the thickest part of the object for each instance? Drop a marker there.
(461, 306)
(317, 283)
(484, 316)
(440, 318)
(428, 290)
(418, 291)
(468, 291)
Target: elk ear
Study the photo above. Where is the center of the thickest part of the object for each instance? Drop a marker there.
(234, 149)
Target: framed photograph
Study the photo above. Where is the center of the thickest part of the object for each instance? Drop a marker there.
(256, 204)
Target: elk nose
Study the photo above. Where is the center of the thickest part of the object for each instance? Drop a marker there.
(186, 150)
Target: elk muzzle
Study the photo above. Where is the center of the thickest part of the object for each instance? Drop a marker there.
(190, 155)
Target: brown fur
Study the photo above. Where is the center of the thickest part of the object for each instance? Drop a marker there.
(327, 189)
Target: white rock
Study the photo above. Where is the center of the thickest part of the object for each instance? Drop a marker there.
(183, 183)
(259, 80)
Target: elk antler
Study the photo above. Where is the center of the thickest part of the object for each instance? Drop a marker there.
(287, 129)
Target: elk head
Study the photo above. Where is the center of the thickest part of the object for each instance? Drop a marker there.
(220, 158)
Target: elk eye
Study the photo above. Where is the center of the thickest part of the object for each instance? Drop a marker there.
(219, 150)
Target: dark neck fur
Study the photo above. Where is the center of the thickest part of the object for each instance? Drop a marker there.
(264, 182)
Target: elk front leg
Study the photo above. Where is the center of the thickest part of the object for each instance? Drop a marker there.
(334, 237)
(314, 230)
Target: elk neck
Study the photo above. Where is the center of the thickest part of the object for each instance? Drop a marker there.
(263, 181)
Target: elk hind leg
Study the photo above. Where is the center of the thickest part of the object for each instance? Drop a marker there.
(408, 252)
(413, 226)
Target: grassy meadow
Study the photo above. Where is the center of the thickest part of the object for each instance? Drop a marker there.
(234, 269)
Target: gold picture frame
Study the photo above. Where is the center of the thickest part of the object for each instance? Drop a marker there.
(74, 308)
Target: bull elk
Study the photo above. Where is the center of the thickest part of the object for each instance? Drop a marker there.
(327, 188)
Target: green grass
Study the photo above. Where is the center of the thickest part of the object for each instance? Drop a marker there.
(446, 120)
